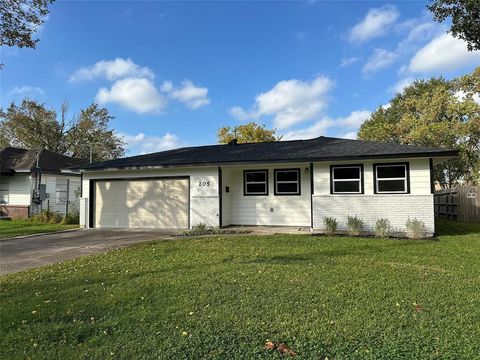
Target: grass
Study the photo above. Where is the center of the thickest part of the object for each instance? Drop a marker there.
(10, 228)
(224, 297)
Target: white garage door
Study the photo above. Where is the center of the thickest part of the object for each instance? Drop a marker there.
(157, 203)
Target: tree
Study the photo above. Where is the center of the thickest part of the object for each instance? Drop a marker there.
(435, 113)
(20, 20)
(31, 125)
(248, 133)
(465, 16)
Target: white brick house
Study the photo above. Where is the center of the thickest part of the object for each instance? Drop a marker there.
(286, 183)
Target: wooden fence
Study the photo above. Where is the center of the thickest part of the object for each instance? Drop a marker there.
(459, 203)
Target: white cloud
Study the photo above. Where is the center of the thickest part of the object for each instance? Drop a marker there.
(352, 122)
(355, 119)
(380, 59)
(376, 23)
(349, 61)
(137, 94)
(289, 102)
(443, 53)
(28, 91)
(143, 144)
(318, 129)
(461, 95)
(349, 135)
(401, 84)
(191, 95)
(112, 70)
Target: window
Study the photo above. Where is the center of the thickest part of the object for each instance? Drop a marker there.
(255, 182)
(61, 191)
(346, 179)
(391, 178)
(287, 182)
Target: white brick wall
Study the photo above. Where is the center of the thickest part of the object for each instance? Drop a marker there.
(370, 208)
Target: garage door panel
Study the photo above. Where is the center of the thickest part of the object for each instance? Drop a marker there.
(159, 203)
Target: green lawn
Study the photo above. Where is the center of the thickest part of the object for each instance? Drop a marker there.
(224, 297)
(9, 228)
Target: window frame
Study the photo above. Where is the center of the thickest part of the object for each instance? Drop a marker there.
(406, 179)
(298, 182)
(361, 179)
(245, 193)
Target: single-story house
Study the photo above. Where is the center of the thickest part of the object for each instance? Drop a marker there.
(284, 183)
(33, 180)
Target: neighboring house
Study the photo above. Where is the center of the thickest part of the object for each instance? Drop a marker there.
(32, 181)
(284, 183)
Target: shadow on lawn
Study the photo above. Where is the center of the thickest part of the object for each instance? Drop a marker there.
(452, 227)
(308, 257)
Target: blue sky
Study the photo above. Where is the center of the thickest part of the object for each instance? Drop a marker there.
(172, 73)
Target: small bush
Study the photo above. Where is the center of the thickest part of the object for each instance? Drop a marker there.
(415, 228)
(71, 218)
(383, 228)
(200, 229)
(46, 217)
(331, 225)
(355, 225)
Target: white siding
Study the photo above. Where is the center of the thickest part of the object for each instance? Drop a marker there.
(369, 206)
(19, 188)
(265, 210)
(204, 198)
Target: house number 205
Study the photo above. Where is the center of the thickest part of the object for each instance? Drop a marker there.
(204, 183)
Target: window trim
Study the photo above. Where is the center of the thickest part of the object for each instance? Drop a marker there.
(245, 193)
(362, 182)
(406, 178)
(299, 182)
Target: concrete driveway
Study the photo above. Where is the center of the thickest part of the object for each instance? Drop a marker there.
(34, 251)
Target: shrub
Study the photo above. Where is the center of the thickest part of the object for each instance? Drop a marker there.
(383, 228)
(46, 217)
(71, 218)
(415, 228)
(355, 225)
(200, 229)
(330, 224)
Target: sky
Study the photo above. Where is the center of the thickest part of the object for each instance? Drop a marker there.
(172, 73)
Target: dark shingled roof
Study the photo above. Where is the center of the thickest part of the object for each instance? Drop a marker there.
(318, 149)
(21, 160)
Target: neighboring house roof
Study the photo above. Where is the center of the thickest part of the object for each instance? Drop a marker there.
(318, 149)
(22, 160)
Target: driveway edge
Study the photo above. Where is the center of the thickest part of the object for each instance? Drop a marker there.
(39, 234)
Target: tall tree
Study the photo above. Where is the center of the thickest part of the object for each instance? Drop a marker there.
(20, 20)
(435, 113)
(465, 15)
(248, 133)
(31, 125)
